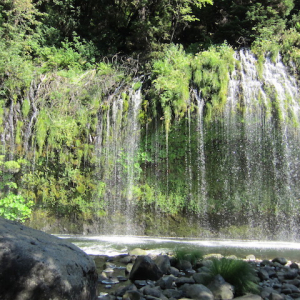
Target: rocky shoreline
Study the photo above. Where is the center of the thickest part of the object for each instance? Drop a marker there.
(138, 276)
(38, 266)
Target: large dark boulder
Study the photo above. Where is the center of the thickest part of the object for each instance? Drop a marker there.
(164, 264)
(281, 260)
(38, 266)
(145, 268)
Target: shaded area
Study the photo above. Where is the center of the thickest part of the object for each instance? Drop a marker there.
(36, 265)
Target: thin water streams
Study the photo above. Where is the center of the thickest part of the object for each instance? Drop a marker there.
(202, 188)
(240, 169)
(259, 163)
(117, 153)
(226, 170)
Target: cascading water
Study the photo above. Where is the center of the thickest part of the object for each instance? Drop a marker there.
(201, 176)
(117, 151)
(131, 147)
(260, 163)
(239, 170)
(107, 155)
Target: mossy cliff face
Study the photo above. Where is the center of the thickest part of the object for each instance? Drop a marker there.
(204, 142)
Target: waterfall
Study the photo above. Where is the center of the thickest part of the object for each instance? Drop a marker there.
(201, 164)
(131, 147)
(117, 152)
(103, 152)
(236, 172)
(261, 129)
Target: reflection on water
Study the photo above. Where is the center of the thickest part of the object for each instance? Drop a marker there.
(114, 245)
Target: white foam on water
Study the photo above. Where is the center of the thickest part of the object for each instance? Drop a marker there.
(114, 245)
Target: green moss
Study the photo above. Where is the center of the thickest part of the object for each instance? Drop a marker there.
(125, 102)
(42, 124)
(241, 232)
(171, 79)
(137, 86)
(172, 225)
(25, 107)
(41, 219)
(211, 76)
(18, 139)
(11, 166)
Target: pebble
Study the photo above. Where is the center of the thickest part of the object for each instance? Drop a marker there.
(278, 279)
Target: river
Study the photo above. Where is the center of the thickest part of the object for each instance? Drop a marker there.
(114, 245)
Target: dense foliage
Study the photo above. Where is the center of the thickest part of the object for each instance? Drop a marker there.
(69, 71)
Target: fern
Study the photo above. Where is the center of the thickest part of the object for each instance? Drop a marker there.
(192, 256)
(236, 272)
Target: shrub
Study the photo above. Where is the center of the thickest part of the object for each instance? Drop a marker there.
(14, 207)
(172, 75)
(186, 254)
(236, 272)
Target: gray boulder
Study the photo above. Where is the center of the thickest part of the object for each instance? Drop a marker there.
(281, 260)
(174, 271)
(184, 265)
(249, 297)
(201, 278)
(263, 274)
(152, 291)
(166, 282)
(291, 274)
(123, 289)
(220, 288)
(163, 262)
(266, 292)
(271, 271)
(295, 282)
(184, 280)
(38, 266)
(294, 265)
(171, 293)
(126, 259)
(288, 288)
(199, 291)
(266, 262)
(145, 268)
(131, 295)
(276, 296)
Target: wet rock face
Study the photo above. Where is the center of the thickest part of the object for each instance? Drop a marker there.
(38, 266)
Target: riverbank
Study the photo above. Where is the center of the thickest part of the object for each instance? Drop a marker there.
(274, 279)
(165, 226)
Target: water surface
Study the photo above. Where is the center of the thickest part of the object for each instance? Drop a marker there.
(114, 245)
